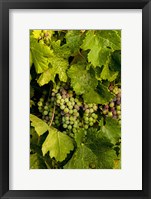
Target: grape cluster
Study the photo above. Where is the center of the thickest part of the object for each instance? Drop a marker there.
(113, 108)
(44, 37)
(70, 106)
(63, 108)
(89, 116)
(47, 111)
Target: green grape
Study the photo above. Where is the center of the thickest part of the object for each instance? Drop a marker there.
(74, 130)
(46, 107)
(118, 107)
(70, 107)
(66, 110)
(119, 112)
(69, 127)
(65, 126)
(71, 99)
(87, 110)
(42, 99)
(69, 103)
(105, 111)
(79, 103)
(71, 122)
(86, 126)
(91, 119)
(112, 104)
(110, 114)
(95, 108)
(91, 123)
(66, 118)
(73, 103)
(90, 105)
(67, 122)
(62, 107)
(70, 111)
(39, 103)
(62, 100)
(71, 118)
(76, 100)
(76, 106)
(58, 101)
(86, 118)
(66, 100)
(76, 114)
(45, 112)
(75, 110)
(91, 110)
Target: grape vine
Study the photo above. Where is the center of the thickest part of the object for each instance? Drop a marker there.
(75, 99)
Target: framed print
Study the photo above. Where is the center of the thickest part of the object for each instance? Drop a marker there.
(75, 99)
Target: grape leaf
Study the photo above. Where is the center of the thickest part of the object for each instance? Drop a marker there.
(36, 162)
(101, 44)
(112, 130)
(106, 74)
(40, 126)
(115, 61)
(46, 77)
(74, 40)
(81, 80)
(33, 136)
(40, 54)
(81, 159)
(102, 148)
(78, 136)
(31, 59)
(58, 145)
(36, 34)
(106, 95)
(93, 97)
(61, 51)
(59, 66)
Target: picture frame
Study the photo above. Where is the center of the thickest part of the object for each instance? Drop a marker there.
(145, 193)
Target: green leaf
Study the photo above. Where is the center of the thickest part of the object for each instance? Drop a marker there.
(31, 59)
(33, 136)
(102, 148)
(74, 40)
(115, 62)
(101, 44)
(59, 66)
(81, 159)
(40, 54)
(93, 97)
(36, 162)
(81, 80)
(40, 126)
(61, 51)
(106, 74)
(78, 136)
(46, 77)
(105, 94)
(112, 130)
(36, 33)
(58, 145)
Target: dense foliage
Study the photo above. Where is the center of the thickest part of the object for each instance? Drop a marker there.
(75, 99)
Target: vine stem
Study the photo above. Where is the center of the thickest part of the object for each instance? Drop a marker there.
(82, 56)
(53, 114)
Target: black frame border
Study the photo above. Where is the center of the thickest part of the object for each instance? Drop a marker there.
(5, 5)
